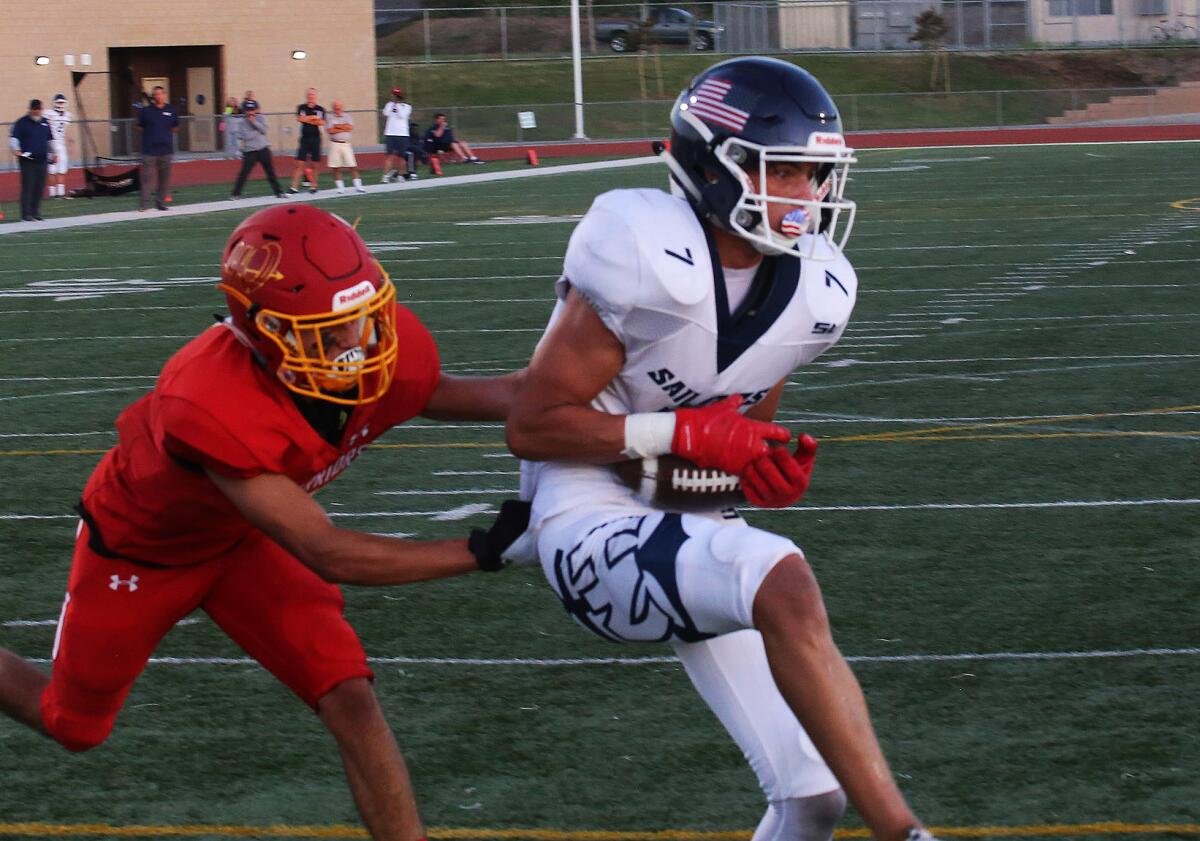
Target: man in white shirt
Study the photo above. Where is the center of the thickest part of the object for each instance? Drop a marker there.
(59, 119)
(396, 137)
(339, 125)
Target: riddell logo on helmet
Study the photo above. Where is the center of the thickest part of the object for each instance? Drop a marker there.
(252, 267)
(352, 297)
(821, 138)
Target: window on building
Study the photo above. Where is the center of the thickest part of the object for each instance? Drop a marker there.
(1083, 8)
(1152, 7)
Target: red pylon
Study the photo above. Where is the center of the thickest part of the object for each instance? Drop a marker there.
(168, 199)
(531, 157)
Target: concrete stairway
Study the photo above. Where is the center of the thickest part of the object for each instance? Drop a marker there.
(1184, 99)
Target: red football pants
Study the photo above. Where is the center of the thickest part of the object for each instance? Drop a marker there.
(116, 612)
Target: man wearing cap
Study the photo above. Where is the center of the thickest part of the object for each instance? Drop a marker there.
(158, 122)
(30, 139)
(256, 149)
(396, 137)
(59, 119)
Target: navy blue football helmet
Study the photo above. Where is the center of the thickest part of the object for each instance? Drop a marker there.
(740, 115)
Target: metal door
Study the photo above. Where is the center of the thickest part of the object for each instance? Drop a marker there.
(202, 134)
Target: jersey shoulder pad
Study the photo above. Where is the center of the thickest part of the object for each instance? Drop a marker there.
(830, 288)
(638, 247)
(203, 399)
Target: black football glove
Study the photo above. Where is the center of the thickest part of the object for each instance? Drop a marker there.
(488, 546)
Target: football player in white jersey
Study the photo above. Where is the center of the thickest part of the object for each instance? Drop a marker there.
(672, 310)
(59, 119)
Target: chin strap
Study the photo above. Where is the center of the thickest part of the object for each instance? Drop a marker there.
(227, 322)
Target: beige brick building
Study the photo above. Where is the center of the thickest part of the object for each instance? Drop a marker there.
(200, 52)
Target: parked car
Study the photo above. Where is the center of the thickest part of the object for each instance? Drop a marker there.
(662, 26)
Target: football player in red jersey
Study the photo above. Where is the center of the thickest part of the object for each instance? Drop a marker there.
(205, 500)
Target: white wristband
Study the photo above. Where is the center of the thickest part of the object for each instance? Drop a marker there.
(648, 434)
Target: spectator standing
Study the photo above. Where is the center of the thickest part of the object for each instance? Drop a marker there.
(256, 149)
(231, 124)
(311, 117)
(59, 119)
(397, 138)
(440, 138)
(341, 150)
(30, 141)
(158, 122)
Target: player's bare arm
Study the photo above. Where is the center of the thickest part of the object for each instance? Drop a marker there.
(552, 416)
(579, 356)
(473, 398)
(285, 513)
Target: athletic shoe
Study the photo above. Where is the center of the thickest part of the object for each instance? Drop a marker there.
(162, 206)
(412, 176)
(292, 191)
(313, 190)
(358, 190)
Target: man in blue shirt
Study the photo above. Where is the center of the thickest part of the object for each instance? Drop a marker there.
(158, 123)
(30, 142)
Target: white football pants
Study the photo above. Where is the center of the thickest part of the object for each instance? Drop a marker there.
(642, 575)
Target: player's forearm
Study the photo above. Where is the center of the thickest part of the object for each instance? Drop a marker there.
(577, 433)
(349, 557)
(473, 398)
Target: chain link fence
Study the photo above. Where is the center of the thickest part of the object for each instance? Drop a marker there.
(762, 26)
(648, 118)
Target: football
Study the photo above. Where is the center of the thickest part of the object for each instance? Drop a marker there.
(673, 483)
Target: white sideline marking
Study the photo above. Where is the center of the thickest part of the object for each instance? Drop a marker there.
(484, 508)
(668, 660)
(202, 208)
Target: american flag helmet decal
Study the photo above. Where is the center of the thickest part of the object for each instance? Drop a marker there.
(710, 102)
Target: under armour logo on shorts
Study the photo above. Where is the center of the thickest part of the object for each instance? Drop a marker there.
(115, 582)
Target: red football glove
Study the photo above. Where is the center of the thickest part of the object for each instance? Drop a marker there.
(779, 478)
(718, 436)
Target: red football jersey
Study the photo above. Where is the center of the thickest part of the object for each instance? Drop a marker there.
(215, 408)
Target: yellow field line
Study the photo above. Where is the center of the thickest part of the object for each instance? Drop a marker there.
(908, 433)
(906, 437)
(534, 834)
(1018, 436)
(935, 433)
(1186, 204)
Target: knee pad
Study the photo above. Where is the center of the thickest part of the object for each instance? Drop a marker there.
(802, 818)
(77, 718)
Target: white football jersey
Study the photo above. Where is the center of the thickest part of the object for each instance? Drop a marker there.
(647, 266)
(58, 120)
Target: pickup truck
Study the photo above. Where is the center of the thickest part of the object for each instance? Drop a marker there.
(662, 26)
